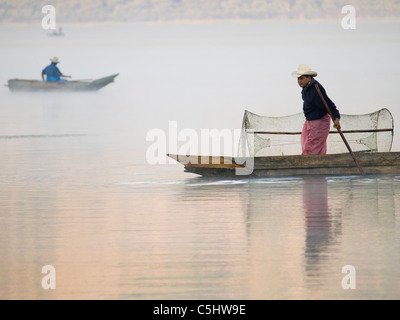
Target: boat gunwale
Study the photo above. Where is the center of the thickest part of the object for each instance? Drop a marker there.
(74, 85)
(370, 159)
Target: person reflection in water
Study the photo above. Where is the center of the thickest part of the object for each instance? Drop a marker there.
(52, 73)
(318, 222)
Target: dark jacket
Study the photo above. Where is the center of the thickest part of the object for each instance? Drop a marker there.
(313, 106)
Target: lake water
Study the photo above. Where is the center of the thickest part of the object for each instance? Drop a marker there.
(77, 192)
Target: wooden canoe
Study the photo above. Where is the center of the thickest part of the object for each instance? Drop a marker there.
(387, 163)
(38, 85)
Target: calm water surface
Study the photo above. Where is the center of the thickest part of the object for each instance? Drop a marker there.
(76, 192)
(152, 233)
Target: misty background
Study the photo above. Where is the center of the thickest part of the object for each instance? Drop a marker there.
(200, 63)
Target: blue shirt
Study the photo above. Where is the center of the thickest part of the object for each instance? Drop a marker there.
(313, 106)
(52, 73)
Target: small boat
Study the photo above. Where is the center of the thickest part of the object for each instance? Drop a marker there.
(57, 33)
(78, 85)
(374, 163)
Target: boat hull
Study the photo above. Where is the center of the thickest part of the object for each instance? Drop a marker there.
(36, 85)
(385, 163)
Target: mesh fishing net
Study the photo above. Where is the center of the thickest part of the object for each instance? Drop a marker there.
(276, 136)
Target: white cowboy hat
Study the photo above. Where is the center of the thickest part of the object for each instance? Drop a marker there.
(304, 70)
(55, 60)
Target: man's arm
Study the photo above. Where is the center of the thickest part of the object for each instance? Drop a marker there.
(331, 105)
(61, 75)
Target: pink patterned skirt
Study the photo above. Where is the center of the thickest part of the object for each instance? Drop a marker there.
(314, 136)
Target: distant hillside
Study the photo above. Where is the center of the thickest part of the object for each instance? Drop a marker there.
(70, 11)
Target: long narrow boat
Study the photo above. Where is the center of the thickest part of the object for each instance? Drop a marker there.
(37, 85)
(373, 163)
(268, 151)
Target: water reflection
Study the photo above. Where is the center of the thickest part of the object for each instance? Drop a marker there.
(350, 221)
(319, 226)
(300, 232)
(199, 239)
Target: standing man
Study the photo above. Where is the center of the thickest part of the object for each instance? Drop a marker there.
(317, 125)
(53, 74)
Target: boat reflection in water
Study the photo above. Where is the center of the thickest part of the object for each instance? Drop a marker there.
(351, 222)
(293, 236)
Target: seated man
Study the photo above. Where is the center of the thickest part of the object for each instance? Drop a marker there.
(53, 74)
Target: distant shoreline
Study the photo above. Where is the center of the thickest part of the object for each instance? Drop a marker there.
(199, 22)
(194, 11)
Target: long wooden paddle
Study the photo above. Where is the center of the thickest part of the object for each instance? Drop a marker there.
(340, 131)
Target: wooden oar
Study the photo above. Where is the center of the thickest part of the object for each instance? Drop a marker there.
(340, 132)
